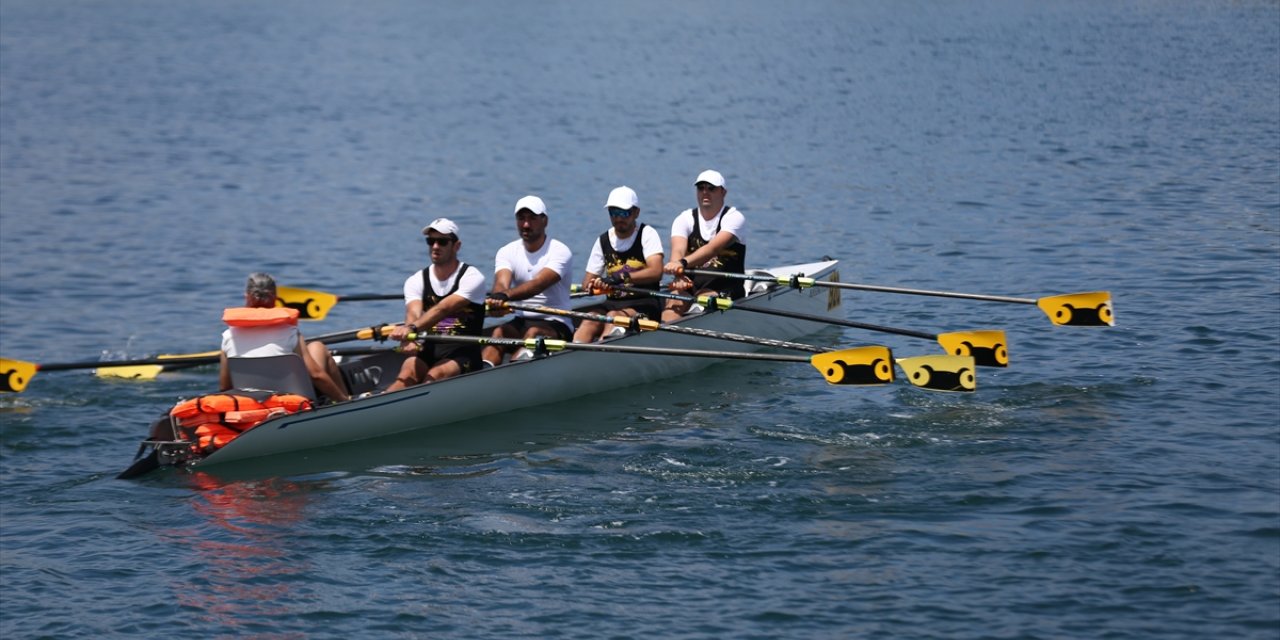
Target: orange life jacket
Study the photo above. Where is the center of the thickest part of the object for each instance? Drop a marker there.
(259, 316)
(213, 420)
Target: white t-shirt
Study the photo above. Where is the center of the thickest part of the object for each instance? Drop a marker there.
(734, 222)
(260, 342)
(650, 242)
(472, 285)
(553, 255)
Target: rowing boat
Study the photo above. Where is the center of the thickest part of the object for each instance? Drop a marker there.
(549, 378)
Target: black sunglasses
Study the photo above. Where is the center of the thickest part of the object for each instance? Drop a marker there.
(442, 241)
(706, 186)
(619, 213)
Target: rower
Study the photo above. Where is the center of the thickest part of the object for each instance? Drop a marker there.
(260, 329)
(628, 253)
(445, 298)
(535, 268)
(711, 237)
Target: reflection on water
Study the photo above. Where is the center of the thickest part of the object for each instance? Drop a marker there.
(244, 551)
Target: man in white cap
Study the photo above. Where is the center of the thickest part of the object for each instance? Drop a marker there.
(445, 298)
(628, 253)
(710, 237)
(535, 269)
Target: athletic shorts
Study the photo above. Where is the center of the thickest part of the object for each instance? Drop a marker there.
(650, 308)
(466, 355)
(559, 329)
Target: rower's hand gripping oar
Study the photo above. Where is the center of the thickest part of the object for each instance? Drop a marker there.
(1091, 309)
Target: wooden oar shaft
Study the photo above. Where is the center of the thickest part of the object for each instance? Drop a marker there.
(534, 344)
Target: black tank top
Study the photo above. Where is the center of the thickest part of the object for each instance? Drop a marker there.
(468, 323)
(731, 259)
(633, 259)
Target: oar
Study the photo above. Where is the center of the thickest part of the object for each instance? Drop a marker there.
(1090, 309)
(184, 360)
(988, 347)
(16, 374)
(644, 324)
(315, 305)
(871, 365)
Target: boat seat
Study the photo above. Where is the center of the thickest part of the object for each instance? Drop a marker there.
(282, 374)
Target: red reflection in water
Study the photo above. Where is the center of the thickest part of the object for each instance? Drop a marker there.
(242, 544)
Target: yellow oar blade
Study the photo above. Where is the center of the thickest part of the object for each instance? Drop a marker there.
(989, 347)
(311, 305)
(940, 373)
(133, 372)
(15, 374)
(202, 354)
(147, 371)
(860, 365)
(1091, 309)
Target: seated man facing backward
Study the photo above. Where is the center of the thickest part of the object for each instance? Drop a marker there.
(260, 329)
(447, 297)
(535, 270)
(628, 253)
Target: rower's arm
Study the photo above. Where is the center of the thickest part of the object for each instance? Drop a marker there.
(706, 252)
(679, 245)
(451, 305)
(651, 273)
(541, 282)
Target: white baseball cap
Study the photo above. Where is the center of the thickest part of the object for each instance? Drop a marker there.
(711, 176)
(442, 225)
(622, 198)
(532, 203)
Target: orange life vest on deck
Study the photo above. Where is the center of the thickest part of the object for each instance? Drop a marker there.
(259, 316)
(213, 420)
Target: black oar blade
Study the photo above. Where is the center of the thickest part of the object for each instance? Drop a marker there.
(941, 373)
(870, 365)
(1091, 309)
(988, 347)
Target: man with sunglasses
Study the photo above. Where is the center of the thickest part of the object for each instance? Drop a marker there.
(446, 298)
(627, 253)
(710, 237)
(536, 269)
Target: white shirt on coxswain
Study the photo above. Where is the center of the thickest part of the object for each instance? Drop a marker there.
(260, 342)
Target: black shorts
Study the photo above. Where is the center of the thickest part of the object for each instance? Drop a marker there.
(522, 324)
(648, 307)
(466, 355)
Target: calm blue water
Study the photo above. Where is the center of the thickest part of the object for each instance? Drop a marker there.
(1117, 483)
